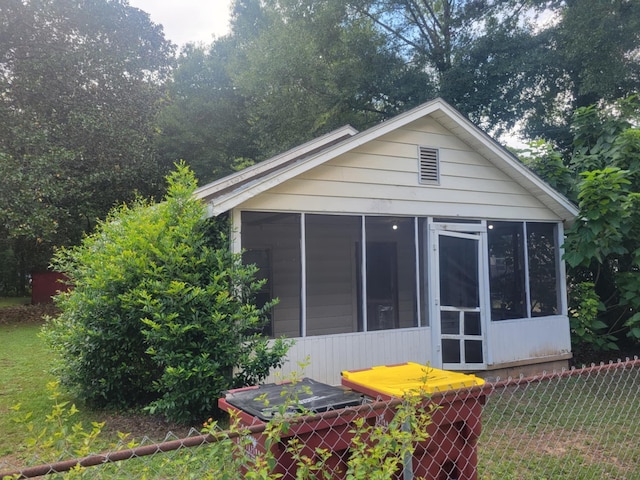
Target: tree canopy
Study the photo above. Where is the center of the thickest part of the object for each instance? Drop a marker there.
(81, 83)
(292, 70)
(288, 72)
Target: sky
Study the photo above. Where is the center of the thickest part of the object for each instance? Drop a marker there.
(188, 20)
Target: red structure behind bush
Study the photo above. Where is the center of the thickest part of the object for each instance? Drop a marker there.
(44, 285)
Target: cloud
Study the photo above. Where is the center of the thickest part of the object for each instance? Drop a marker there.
(188, 20)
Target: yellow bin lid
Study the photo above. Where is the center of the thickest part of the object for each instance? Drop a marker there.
(397, 380)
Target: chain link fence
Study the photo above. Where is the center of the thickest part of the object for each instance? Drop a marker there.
(575, 424)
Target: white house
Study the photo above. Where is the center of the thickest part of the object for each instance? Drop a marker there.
(420, 239)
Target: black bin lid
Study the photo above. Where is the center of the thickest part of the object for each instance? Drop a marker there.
(265, 401)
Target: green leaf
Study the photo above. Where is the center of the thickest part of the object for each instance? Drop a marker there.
(635, 332)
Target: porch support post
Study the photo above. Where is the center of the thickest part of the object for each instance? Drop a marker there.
(485, 290)
(303, 276)
(236, 231)
(363, 273)
(561, 269)
(416, 240)
(527, 284)
(434, 287)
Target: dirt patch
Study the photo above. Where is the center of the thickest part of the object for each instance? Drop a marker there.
(26, 313)
(141, 427)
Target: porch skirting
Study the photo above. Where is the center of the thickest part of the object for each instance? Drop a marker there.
(323, 357)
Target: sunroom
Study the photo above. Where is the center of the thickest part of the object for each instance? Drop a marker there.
(419, 240)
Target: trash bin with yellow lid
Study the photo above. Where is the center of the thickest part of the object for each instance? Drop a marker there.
(450, 452)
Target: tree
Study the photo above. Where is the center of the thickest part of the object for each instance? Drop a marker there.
(288, 72)
(292, 70)
(161, 314)
(590, 55)
(508, 61)
(318, 67)
(208, 121)
(483, 56)
(610, 28)
(81, 83)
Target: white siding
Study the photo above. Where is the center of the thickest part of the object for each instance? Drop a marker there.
(518, 340)
(328, 355)
(381, 177)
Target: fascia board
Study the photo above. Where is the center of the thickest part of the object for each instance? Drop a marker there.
(261, 167)
(513, 167)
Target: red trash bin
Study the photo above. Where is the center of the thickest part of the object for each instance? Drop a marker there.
(329, 415)
(450, 452)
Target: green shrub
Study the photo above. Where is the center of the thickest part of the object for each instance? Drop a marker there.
(587, 330)
(161, 313)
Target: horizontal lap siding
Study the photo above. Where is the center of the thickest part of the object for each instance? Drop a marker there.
(301, 187)
(317, 203)
(402, 175)
(382, 177)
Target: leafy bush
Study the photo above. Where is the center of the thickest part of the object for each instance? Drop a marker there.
(161, 313)
(587, 330)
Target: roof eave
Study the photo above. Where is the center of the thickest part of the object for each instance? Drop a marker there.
(245, 175)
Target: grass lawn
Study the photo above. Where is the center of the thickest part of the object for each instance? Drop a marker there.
(25, 362)
(580, 428)
(11, 301)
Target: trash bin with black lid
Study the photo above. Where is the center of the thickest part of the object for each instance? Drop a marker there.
(326, 424)
(450, 452)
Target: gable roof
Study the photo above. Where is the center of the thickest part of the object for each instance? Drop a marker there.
(229, 192)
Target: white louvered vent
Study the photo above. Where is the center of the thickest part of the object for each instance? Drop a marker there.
(429, 166)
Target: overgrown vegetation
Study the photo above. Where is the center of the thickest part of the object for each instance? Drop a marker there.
(377, 452)
(602, 246)
(161, 314)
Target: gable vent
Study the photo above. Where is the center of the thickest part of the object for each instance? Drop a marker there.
(429, 167)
